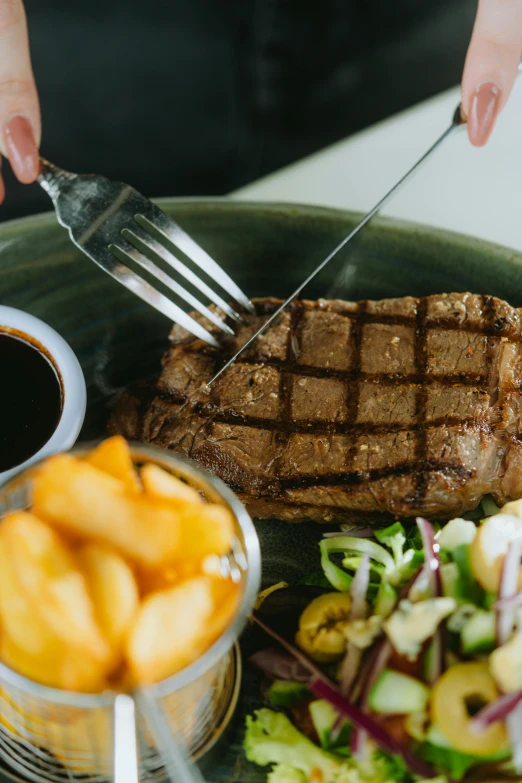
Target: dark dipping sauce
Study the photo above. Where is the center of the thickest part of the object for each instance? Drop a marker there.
(30, 399)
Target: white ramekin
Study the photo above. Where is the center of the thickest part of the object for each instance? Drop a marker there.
(73, 384)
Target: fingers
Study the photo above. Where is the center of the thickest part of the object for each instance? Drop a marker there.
(491, 65)
(2, 186)
(19, 109)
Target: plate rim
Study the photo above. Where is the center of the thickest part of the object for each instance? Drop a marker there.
(505, 253)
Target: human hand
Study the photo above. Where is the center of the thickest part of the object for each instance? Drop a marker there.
(19, 109)
(491, 65)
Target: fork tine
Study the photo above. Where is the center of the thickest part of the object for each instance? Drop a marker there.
(174, 234)
(148, 242)
(147, 263)
(149, 294)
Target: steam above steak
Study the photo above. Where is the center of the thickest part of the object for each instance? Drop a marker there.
(346, 410)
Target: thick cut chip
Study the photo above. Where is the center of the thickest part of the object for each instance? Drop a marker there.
(113, 589)
(226, 594)
(160, 484)
(206, 529)
(151, 580)
(170, 631)
(19, 622)
(82, 500)
(47, 573)
(28, 645)
(58, 667)
(113, 456)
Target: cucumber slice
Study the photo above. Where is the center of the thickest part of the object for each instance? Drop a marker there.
(324, 717)
(451, 580)
(395, 693)
(489, 507)
(285, 693)
(479, 633)
(386, 600)
(469, 589)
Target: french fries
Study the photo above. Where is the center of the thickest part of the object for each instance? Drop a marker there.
(53, 585)
(29, 645)
(113, 589)
(113, 457)
(82, 500)
(162, 485)
(170, 630)
(106, 581)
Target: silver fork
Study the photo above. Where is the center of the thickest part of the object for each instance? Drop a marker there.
(115, 226)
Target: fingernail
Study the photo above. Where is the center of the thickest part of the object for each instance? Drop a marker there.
(484, 108)
(21, 149)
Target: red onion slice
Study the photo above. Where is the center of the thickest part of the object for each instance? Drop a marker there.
(386, 742)
(497, 710)
(431, 556)
(430, 572)
(510, 600)
(379, 661)
(359, 588)
(436, 660)
(280, 665)
(358, 611)
(298, 654)
(514, 727)
(507, 615)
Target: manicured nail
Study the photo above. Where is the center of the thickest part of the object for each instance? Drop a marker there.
(2, 190)
(21, 149)
(484, 108)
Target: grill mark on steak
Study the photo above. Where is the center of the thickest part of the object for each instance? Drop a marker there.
(496, 327)
(359, 477)
(292, 351)
(398, 451)
(388, 379)
(353, 385)
(306, 426)
(421, 399)
(489, 310)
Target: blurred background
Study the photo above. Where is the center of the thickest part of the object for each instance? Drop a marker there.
(199, 97)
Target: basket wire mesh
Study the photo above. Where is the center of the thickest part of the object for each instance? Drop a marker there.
(52, 736)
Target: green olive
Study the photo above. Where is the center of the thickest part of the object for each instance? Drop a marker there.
(321, 627)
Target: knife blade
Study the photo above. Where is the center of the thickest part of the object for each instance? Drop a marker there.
(458, 121)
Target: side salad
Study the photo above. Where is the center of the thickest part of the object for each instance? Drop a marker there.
(409, 669)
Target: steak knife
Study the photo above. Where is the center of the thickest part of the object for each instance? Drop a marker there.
(458, 121)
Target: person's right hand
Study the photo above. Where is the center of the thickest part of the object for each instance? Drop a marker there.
(20, 127)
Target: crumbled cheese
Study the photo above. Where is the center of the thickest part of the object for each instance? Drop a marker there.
(396, 340)
(362, 633)
(455, 533)
(363, 447)
(412, 624)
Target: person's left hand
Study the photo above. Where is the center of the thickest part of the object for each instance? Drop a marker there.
(491, 65)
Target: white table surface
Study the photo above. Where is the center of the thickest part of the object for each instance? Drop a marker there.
(475, 191)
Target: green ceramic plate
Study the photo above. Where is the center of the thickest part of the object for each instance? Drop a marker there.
(268, 249)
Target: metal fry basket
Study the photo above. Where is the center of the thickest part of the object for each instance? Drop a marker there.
(49, 735)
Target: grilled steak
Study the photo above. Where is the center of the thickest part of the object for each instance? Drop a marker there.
(345, 410)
